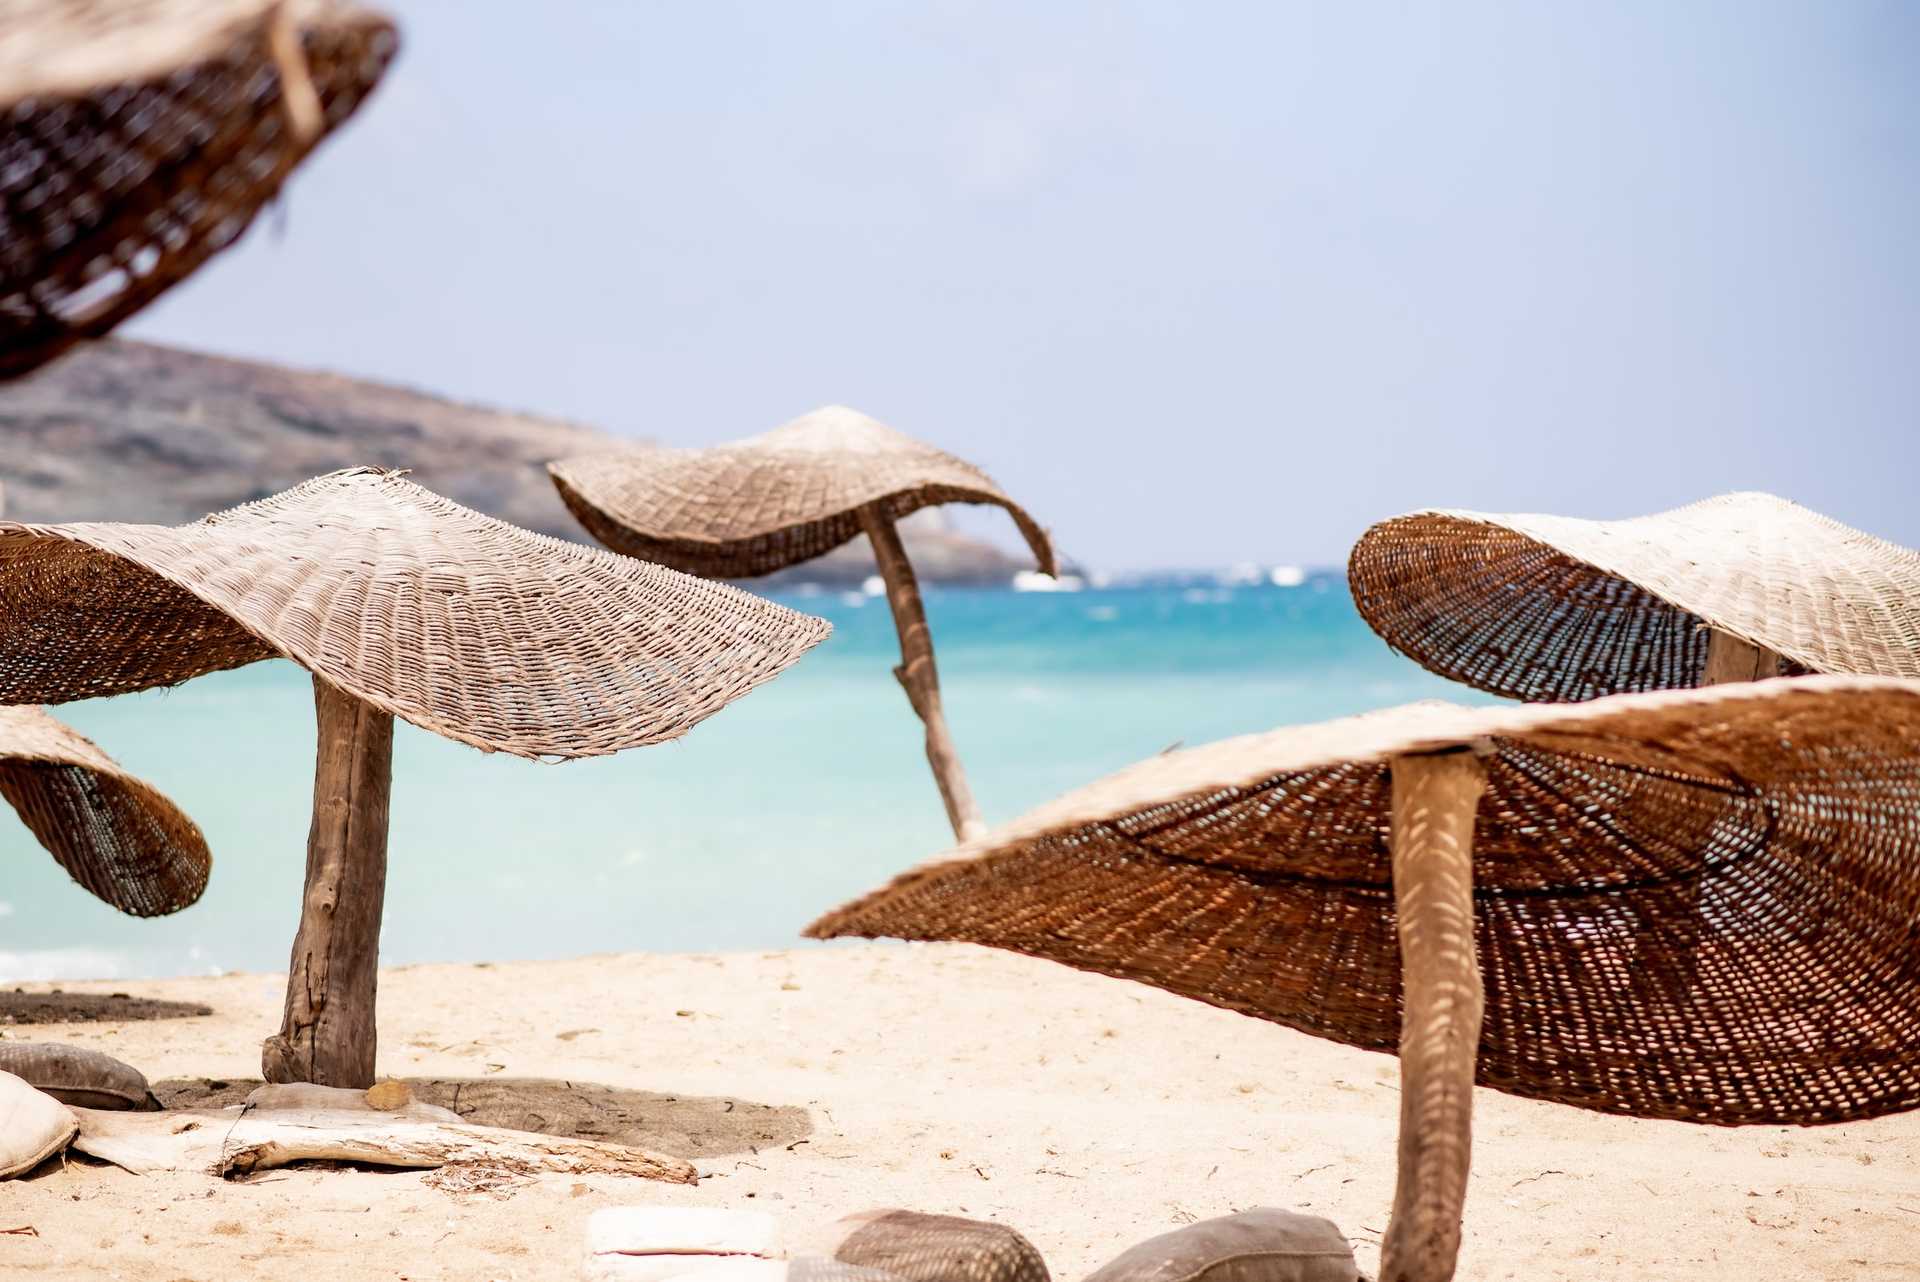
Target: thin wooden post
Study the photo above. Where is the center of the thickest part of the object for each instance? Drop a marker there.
(1730, 659)
(1435, 796)
(916, 673)
(327, 1034)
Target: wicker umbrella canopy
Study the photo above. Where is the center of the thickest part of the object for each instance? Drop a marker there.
(401, 603)
(789, 495)
(117, 836)
(466, 626)
(774, 500)
(142, 136)
(1686, 904)
(1555, 608)
(1691, 904)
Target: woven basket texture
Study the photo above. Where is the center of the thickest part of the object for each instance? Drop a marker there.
(759, 505)
(464, 625)
(911, 1246)
(142, 136)
(1557, 608)
(116, 835)
(1690, 904)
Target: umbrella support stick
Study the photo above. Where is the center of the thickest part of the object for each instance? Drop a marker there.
(327, 1034)
(1435, 796)
(1731, 659)
(916, 672)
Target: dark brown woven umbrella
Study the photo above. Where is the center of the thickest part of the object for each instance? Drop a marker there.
(1689, 904)
(787, 496)
(1552, 608)
(401, 603)
(116, 835)
(141, 138)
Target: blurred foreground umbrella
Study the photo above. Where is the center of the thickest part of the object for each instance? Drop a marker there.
(142, 136)
(400, 603)
(1552, 608)
(1695, 905)
(114, 834)
(787, 496)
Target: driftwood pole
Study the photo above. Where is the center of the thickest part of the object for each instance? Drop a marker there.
(327, 1034)
(916, 672)
(1730, 659)
(1435, 796)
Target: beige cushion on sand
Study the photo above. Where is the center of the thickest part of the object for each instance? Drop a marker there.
(77, 1076)
(33, 1126)
(1261, 1245)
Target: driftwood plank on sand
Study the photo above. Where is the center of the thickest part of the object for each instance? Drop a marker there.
(233, 1142)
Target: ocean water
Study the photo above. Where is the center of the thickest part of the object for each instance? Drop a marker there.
(810, 790)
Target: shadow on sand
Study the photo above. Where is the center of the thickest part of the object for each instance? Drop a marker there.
(21, 1007)
(685, 1126)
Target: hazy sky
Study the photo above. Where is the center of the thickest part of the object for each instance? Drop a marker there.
(1196, 281)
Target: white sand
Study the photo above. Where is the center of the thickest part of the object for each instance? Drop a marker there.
(1088, 1112)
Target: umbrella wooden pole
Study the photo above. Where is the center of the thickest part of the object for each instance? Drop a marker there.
(916, 673)
(327, 1034)
(1731, 659)
(1435, 796)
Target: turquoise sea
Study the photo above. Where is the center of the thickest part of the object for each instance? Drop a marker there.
(808, 791)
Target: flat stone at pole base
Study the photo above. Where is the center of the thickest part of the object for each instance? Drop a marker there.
(285, 1097)
(77, 1076)
(327, 1035)
(1435, 799)
(1264, 1244)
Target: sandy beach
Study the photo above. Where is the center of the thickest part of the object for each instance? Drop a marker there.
(1088, 1112)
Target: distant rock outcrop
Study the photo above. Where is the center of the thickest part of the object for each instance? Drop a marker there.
(126, 431)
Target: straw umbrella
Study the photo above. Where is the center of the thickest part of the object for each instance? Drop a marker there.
(787, 496)
(142, 136)
(116, 835)
(1531, 886)
(1555, 608)
(400, 603)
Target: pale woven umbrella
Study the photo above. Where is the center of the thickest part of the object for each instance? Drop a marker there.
(143, 136)
(1555, 608)
(787, 496)
(116, 835)
(401, 603)
(1693, 904)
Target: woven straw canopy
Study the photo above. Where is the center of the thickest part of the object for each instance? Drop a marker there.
(461, 624)
(117, 836)
(1690, 904)
(1555, 608)
(773, 500)
(141, 138)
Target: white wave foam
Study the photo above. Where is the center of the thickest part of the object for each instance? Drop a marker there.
(38, 965)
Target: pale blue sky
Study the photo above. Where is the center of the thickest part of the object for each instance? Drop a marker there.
(1196, 281)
